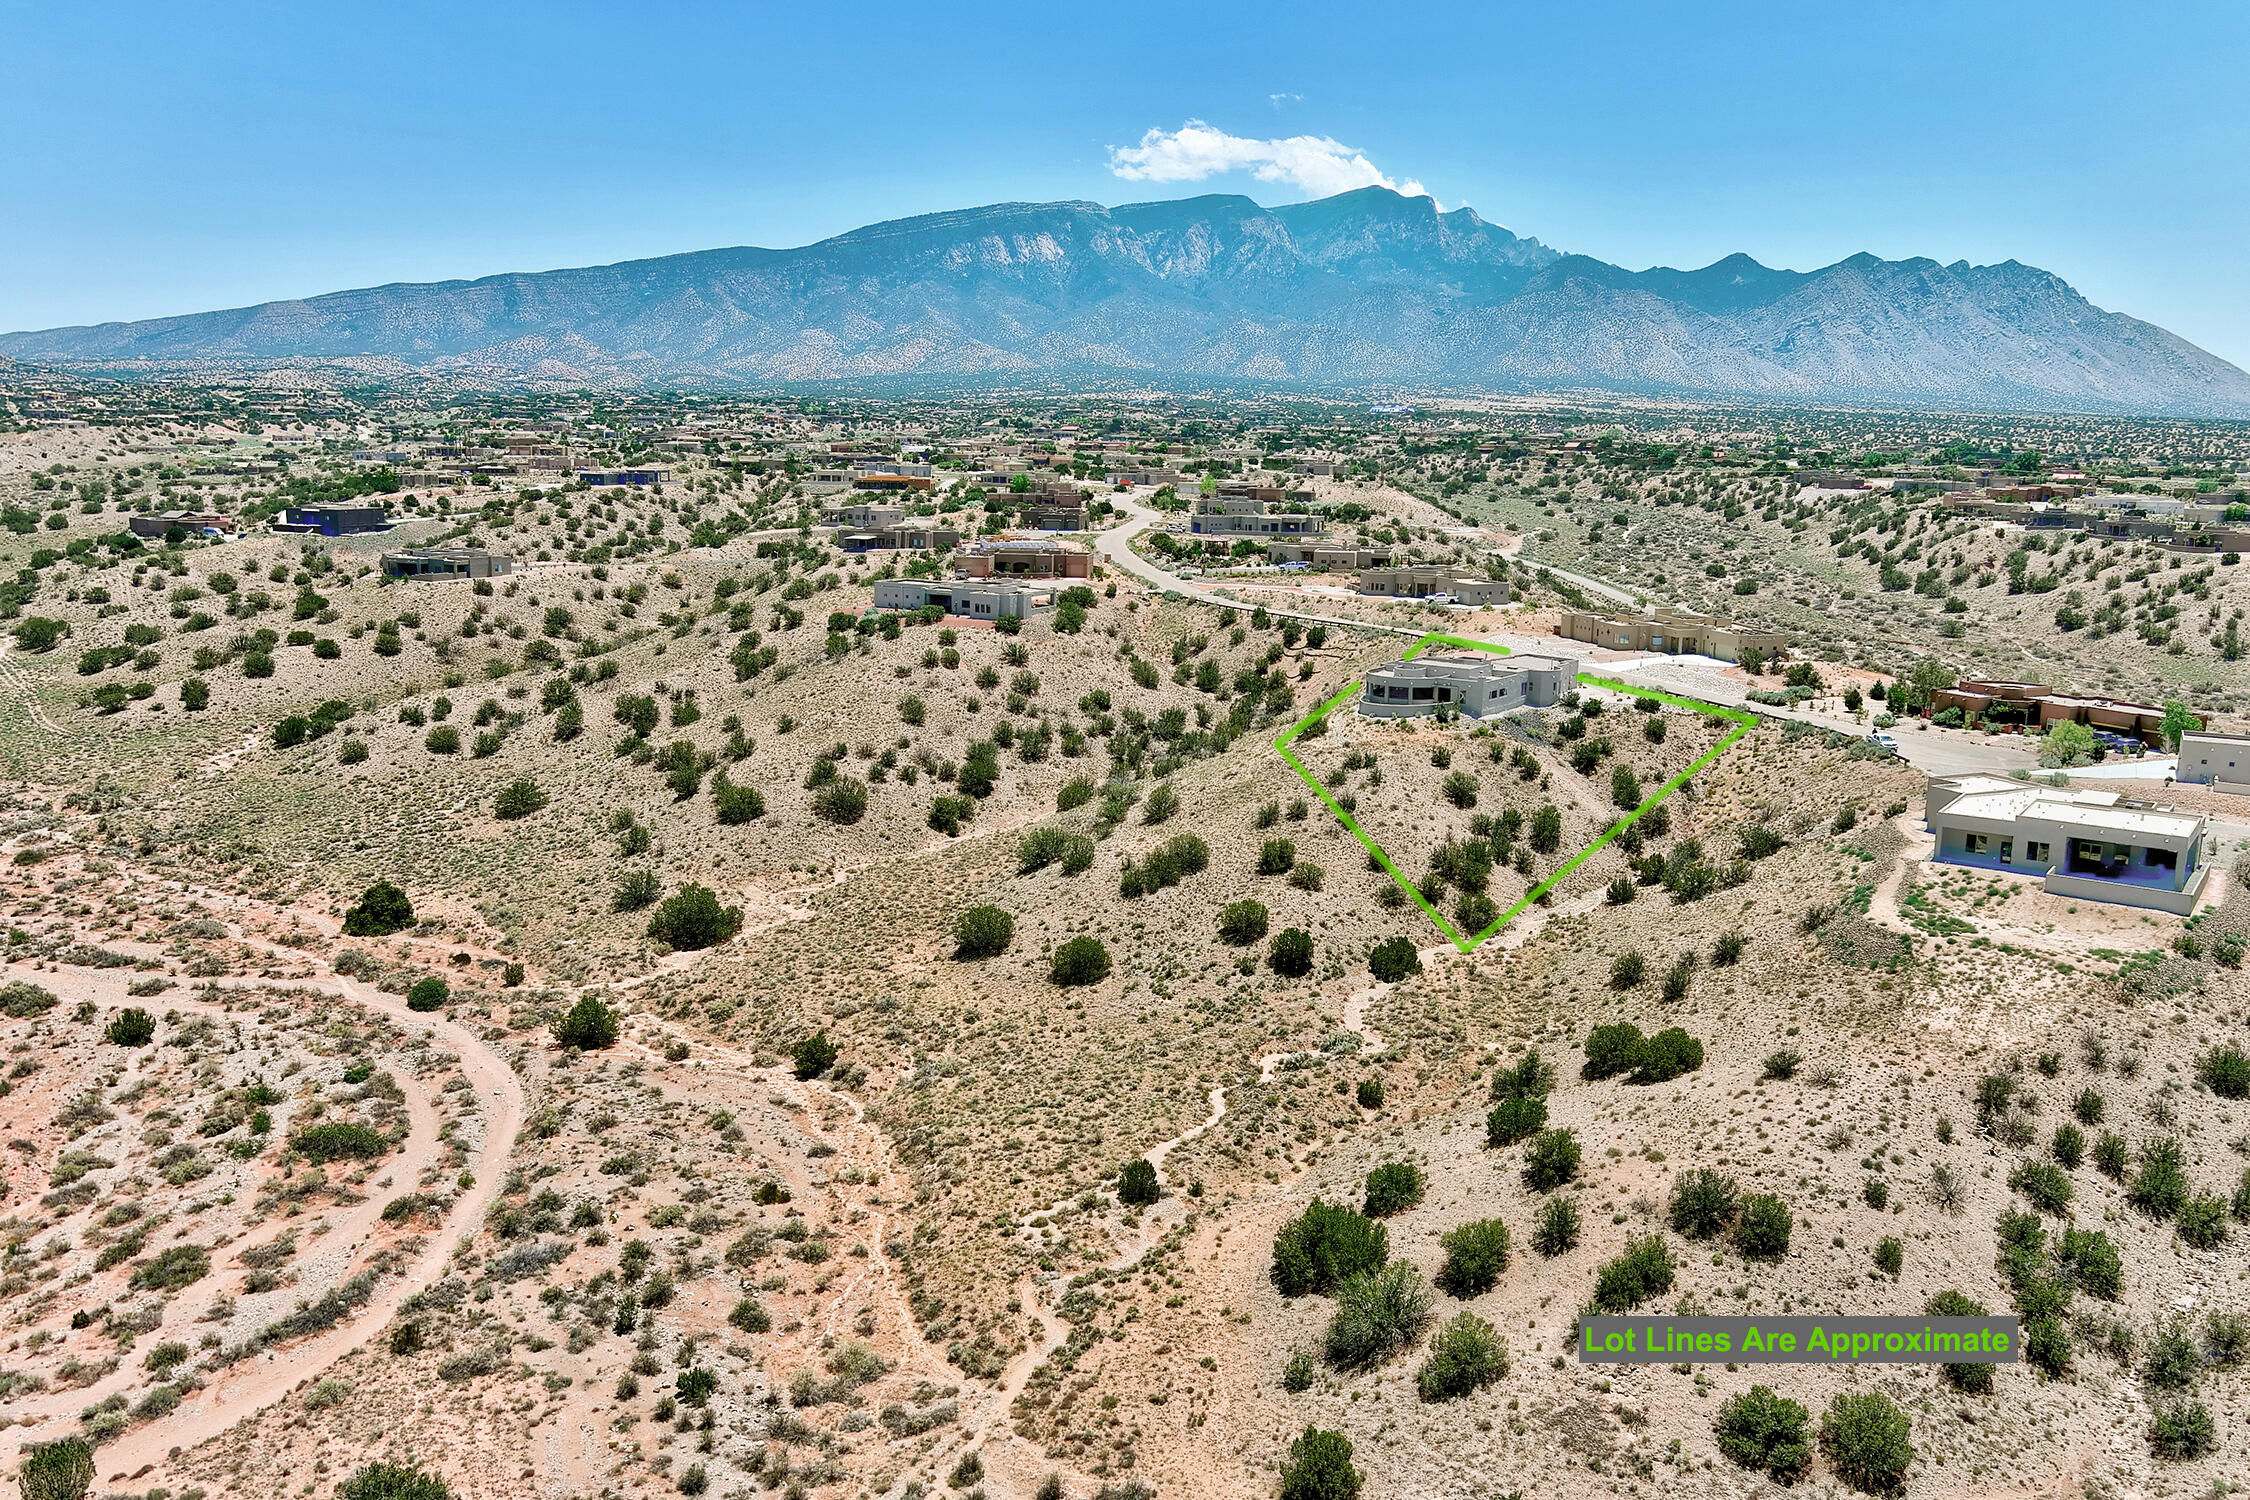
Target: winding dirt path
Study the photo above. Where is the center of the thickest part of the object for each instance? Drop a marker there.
(14, 680)
(244, 1389)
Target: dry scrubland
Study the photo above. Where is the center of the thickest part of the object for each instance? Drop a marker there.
(674, 1266)
(1867, 577)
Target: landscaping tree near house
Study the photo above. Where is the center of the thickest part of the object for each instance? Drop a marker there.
(1081, 961)
(813, 1056)
(691, 919)
(589, 1026)
(982, 931)
(382, 910)
(2178, 719)
(1137, 1186)
(1320, 1464)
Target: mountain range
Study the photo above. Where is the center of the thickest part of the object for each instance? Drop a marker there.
(1368, 289)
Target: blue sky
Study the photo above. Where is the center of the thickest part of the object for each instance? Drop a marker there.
(175, 158)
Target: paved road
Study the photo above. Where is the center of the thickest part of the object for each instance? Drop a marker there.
(1116, 546)
(1935, 752)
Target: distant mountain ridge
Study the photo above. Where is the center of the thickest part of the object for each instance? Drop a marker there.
(1367, 288)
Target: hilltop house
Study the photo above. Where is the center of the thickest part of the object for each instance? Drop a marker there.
(1475, 683)
(2092, 845)
(983, 599)
(446, 562)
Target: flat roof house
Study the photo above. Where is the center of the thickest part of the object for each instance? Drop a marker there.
(1675, 632)
(2220, 761)
(336, 520)
(1247, 515)
(1424, 581)
(600, 477)
(1475, 684)
(902, 536)
(1336, 559)
(862, 514)
(2091, 845)
(193, 522)
(972, 599)
(1027, 557)
(1054, 515)
(446, 562)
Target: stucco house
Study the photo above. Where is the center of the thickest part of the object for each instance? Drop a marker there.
(2093, 845)
(1474, 684)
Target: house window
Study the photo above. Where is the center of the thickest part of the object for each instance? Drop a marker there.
(2163, 859)
(2037, 853)
(1976, 843)
(2007, 851)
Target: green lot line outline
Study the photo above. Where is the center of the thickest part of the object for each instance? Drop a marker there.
(1743, 722)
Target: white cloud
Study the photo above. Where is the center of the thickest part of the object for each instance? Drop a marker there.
(1278, 100)
(1318, 164)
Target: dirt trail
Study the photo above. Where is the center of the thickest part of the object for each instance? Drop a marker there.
(14, 680)
(252, 1385)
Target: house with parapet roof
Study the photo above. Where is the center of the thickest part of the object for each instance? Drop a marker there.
(1473, 683)
(2097, 846)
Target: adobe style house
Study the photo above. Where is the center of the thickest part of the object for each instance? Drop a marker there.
(1673, 632)
(972, 600)
(193, 522)
(1330, 559)
(1026, 557)
(1471, 683)
(2219, 761)
(1422, 582)
(446, 562)
(1250, 512)
(2092, 845)
(334, 520)
(2036, 706)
